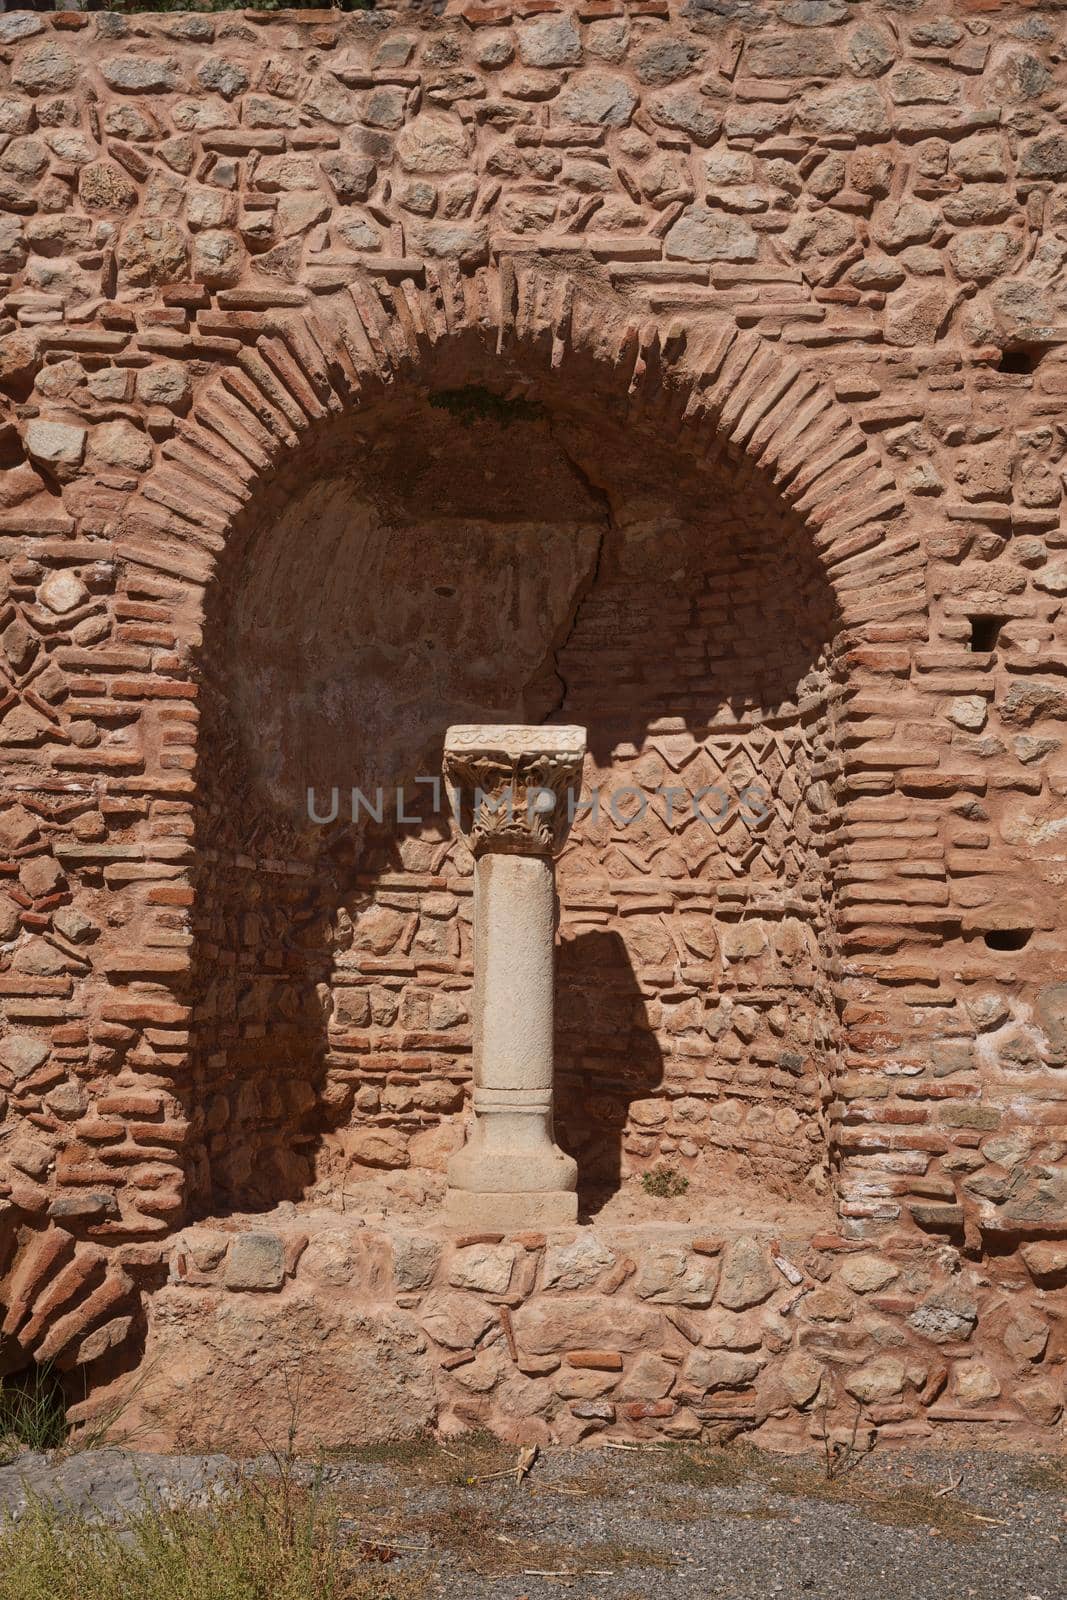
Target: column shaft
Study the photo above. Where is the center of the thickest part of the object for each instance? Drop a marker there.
(511, 1172)
(510, 791)
(514, 999)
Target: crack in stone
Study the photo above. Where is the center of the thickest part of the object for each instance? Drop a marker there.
(600, 495)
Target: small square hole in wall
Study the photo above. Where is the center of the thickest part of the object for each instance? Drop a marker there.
(1021, 359)
(985, 631)
(1008, 938)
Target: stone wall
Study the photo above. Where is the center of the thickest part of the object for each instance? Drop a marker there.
(363, 1333)
(733, 331)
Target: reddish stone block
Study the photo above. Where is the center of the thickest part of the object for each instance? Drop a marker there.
(598, 1360)
(131, 1104)
(479, 15)
(640, 1410)
(459, 1358)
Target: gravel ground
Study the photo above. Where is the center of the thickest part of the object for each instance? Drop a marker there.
(682, 1524)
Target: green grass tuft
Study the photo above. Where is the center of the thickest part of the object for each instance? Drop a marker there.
(665, 1183)
(33, 1412)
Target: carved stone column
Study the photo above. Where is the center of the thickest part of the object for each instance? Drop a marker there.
(512, 792)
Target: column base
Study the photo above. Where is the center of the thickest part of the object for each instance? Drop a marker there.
(476, 1211)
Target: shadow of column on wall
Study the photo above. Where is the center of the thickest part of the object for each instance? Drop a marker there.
(607, 1056)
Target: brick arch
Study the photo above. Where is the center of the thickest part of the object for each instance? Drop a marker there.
(285, 372)
(278, 371)
(65, 1302)
(286, 369)
(739, 400)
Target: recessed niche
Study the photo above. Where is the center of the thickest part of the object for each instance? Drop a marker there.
(482, 561)
(1008, 938)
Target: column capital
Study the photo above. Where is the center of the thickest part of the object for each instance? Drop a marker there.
(513, 789)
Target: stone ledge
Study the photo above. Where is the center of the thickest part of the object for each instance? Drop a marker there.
(542, 1337)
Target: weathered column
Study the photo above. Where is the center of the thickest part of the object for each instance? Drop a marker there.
(512, 792)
